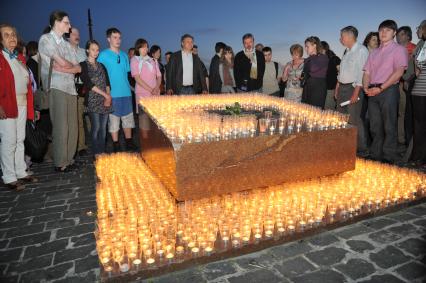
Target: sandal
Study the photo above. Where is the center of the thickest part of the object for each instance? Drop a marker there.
(16, 186)
(29, 179)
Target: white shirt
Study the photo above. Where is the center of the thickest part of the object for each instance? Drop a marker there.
(352, 64)
(20, 76)
(188, 68)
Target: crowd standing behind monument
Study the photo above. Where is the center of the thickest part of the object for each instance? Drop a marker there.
(380, 83)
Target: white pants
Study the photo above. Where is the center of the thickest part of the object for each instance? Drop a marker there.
(12, 150)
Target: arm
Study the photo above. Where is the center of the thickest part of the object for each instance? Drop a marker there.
(169, 74)
(286, 72)
(221, 72)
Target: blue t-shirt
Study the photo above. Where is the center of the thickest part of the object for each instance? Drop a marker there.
(118, 67)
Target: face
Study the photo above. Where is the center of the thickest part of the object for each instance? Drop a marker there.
(167, 58)
(268, 56)
(157, 54)
(9, 38)
(195, 51)
(93, 51)
(402, 37)
(63, 26)
(295, 55)
(187, 44)
(115, 40)
(74, 36)
(131, 53)
(419, 32)
(346, 39)
(386, 34)
(310, 48)
(228, 55)
(374, 42)
(143, 51)
(248, 43)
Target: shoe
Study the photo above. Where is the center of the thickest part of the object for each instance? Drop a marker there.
(116, 146)
(29, 179)
(82, 152)
(65, 169)
(130, 146)
(16, 186)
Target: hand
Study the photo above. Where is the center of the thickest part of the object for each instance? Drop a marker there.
(155, 91)
(37, 115)
(336, 92)
(2, 114)
(205, 92)
(354, 98)
(373, 91)
(169, 92)
(107, 101)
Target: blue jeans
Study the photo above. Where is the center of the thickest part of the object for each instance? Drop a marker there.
(98, 132)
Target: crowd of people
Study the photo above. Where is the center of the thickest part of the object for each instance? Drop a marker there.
(380, 83)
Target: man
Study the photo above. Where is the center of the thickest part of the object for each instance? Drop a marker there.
(249, 67)
(215, 85)
(185, 71)
(117, 64)
(206, 75)
(272, 76)
(259, 47)
(74, 40)
(384, 67)
(349, 84)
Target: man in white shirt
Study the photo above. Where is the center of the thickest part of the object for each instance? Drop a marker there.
(272, 74)
(348, 92)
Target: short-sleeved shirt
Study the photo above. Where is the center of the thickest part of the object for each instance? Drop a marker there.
(383, 61)
(118, 68)
(50, 44)
(352, 64)
(148, 70)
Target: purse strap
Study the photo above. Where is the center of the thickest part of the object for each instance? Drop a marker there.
(49, 78)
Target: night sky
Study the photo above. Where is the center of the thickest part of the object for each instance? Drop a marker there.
(275, 23)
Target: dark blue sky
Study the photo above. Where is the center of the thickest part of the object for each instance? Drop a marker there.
(275, 23)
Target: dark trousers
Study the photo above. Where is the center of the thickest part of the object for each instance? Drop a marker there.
(98, 131)
(408, 118)
(315, 92)
(184, 90)
(419, 133)
(383, 114)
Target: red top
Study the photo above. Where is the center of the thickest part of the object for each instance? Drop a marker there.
(7, 90)
(410, 48)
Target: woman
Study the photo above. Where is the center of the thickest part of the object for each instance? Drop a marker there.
(155, 52)
(418, 155)
(226, 70)
(332, 71)
(16, 106)
(292, 74)
(315, 73)
(98, 99)
(62, 93)
(146, 72)
(372, 41)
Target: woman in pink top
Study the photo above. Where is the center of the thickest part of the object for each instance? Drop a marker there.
(146, 72)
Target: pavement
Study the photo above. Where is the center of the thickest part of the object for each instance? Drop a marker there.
(46, 235)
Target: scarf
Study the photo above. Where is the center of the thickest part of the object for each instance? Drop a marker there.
(12, 55)
(253, 59)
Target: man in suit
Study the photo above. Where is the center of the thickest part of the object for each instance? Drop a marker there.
(185, 71)
(249, 67)
(214, 78)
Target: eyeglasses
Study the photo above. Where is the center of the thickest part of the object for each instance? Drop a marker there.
(118, 59)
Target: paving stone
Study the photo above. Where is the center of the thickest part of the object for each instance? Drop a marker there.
(323, 276)
(356, 268)
(86, 264)
(30, 240)
(28, 265)
(402, 216)
(352, 231)
(54, 203)
(404, 229)
(388, 257)
(412, 270)
(249, 262)
(83, 240)
(327, 256)
(88, 277)
(359, 246)
(49, 210)
(421, 223)
(418, 210)
(10, 255)
(60, 224)
(25, 230)
(290, 250)
(48, 274)
(47, 217)
(26, 206)
(3, 243)
(7, 204)
(190, 275)
(384, 237)
(379, 223)
(74, 231)
(61, 196)
(262, 275)
(12, 224)
(388, 278)
(295, 267)
(218, 269)
(75, 253)
(416, 247)
(85, 204)
(323, 239)
(11, 279)
(2, 268)
(46, 248)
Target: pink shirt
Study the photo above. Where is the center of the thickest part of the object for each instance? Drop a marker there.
(383, 61)
(147, 69)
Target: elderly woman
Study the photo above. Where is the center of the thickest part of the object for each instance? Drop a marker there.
(16, 106)
(62, 94)
(292, 74)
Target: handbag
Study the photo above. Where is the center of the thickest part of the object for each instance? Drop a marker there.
(36, 141)
(41, 95)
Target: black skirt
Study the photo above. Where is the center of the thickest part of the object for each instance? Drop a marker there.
(315, 92)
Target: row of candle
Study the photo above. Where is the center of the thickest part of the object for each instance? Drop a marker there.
(184, 118)
(140, 226)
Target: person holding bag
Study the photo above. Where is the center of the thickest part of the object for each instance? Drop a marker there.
(16, 106)
(98, 98)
